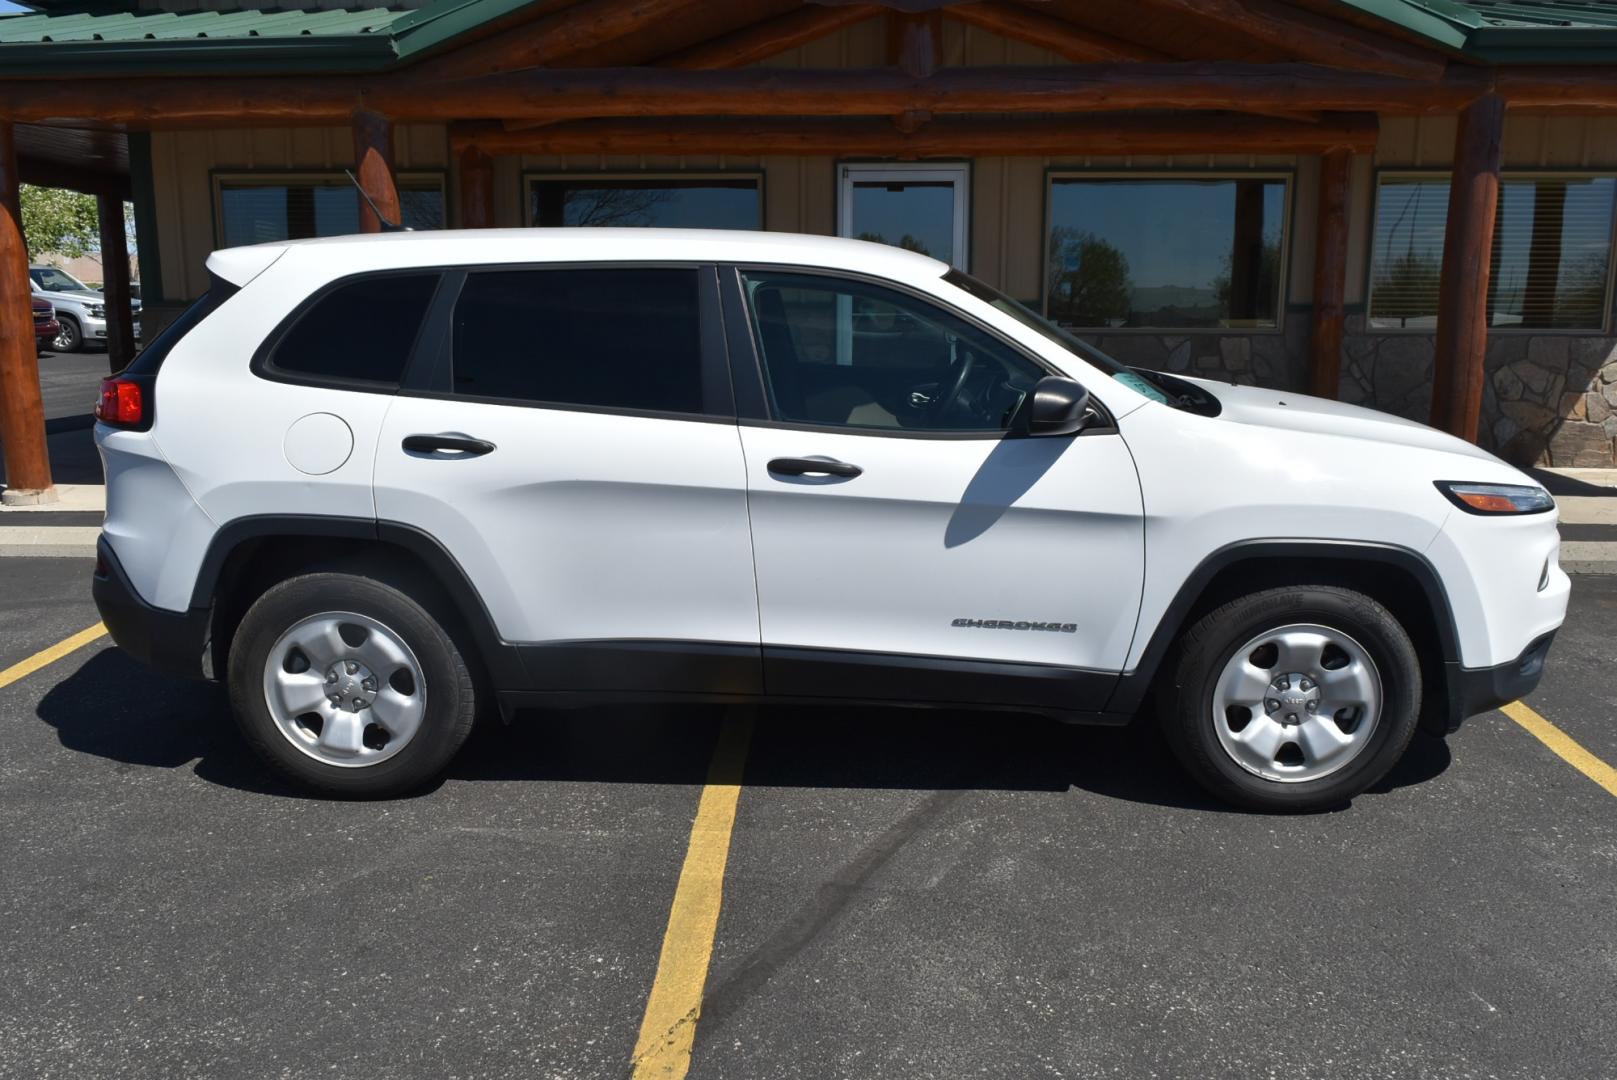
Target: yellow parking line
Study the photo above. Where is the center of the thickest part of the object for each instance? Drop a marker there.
(1564, 745)
(668, 1030)
(24, 668)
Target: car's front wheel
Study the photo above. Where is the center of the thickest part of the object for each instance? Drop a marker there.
(1294, 698)
(69, 338)
(348, 685)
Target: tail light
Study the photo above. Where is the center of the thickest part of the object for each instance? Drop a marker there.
(123, 403)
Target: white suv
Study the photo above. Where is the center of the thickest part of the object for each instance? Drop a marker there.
(375, 482)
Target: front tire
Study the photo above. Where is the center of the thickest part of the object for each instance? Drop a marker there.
(1292, 699)
(70, 338)
(349, 686)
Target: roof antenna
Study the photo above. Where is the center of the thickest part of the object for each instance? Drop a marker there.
(387, 226)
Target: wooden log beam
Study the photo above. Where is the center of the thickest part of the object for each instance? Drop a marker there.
(1462, 295)
(760, 41)
(1330, 273)
(1308, 36)
(1555, 88)
(547, 39)
(22, 410)
(769, 38)
(1095, 134)
(115, 282)
(1066, 39)
(167, 102)
(476, 188)
(373, 156)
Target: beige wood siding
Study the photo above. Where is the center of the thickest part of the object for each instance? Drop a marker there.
(183, 164)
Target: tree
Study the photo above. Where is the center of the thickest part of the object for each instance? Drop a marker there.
(57, 221)
(1089, 280)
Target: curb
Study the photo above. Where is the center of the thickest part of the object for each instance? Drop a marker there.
(1589, 556)
(46, 541)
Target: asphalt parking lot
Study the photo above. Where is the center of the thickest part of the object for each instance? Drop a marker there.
(906, 894)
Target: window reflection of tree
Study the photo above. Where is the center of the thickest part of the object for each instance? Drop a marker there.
(614, 206)
(907, 242)
(1088, 278)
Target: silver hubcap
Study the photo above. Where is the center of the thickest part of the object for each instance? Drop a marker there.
(1297, 703)
(344, 689)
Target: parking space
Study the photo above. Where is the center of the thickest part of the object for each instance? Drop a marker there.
(907, 894)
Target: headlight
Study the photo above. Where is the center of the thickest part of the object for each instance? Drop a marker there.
(1496, 498)
(96, 311)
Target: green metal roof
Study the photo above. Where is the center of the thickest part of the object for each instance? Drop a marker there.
(1509, 31)
(116, 43)
(168, 26)
(103, 37)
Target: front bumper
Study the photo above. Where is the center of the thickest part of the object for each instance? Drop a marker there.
(172, 642)
(1473, 691)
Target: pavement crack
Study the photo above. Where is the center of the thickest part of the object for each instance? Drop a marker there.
(829, 901)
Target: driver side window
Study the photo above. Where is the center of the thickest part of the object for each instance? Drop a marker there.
(845, 353)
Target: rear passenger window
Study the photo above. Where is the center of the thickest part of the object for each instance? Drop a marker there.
(621, 338)
(363, 330)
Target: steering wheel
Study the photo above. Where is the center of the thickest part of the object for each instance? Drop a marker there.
(941, 405)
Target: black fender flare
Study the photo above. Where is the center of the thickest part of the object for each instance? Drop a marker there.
(499, 657)
(1133, 685)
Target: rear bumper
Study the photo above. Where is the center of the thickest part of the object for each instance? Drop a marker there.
(1477, 690)
(172, 642)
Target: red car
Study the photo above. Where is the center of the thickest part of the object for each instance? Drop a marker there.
(45, 325)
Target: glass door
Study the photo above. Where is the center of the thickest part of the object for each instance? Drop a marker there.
(921, 207)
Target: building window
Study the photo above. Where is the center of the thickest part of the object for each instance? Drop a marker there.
(1551, 252)
(920, 207)
(1165, 252)
(262, 208)
(685, 201)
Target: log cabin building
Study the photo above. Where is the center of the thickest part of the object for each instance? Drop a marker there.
(1407, 204)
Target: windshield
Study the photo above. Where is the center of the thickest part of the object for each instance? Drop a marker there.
(1038, 323)
(54, 280)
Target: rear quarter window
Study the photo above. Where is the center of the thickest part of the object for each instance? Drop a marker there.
(359, 331)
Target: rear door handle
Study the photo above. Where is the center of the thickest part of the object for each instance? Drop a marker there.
(460, 444)
(797, 466)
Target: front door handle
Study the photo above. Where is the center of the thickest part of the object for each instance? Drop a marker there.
(459, 444)
(797, 466)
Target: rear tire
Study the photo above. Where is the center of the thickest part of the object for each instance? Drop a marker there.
(349, 686)
(1292, 699)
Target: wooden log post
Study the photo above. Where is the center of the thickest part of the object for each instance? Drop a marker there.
(115, 281)
(1330, 273)
(373, 156)
(22, 410)
(1462, 297)
(476, 189)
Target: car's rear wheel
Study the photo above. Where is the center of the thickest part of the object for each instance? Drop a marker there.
(348, 685)
(70, 338)
(1295, 698)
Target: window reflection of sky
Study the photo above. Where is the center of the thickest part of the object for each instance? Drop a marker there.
(920, 210)
(1173, 232)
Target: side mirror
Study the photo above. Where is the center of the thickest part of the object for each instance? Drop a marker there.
(1060, 407)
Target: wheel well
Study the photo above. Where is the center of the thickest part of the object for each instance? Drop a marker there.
(258, 563)
(1411, 598)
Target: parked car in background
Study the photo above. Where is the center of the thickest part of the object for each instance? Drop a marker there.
(45, 325)
(81, 310)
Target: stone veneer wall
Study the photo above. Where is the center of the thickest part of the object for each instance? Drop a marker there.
(1550, 399)
(1274, 359)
